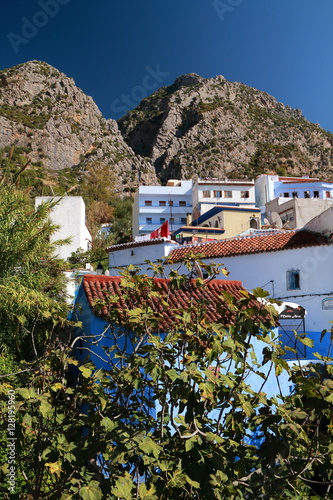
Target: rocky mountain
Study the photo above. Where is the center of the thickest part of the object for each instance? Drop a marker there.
(213, 127)
(194, 127)
(44, 114)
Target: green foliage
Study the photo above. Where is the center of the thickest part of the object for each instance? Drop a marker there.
(98, 182)
(121, 229)
(31, 277)
(17, 168)
(120, 220)
(59, 433)
(175, 416)
(26, 115)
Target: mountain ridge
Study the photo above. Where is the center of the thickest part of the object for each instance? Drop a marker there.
(44, 112)
(194, 127)
(222, 128)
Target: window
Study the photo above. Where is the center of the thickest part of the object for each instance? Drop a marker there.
(306, 194)
(149, 220)
(182, 203)
(328, 194)
(228, 194)
(254, 223)
(162, 220)
(148, 203)
(293, 279)
(245, 194)
(162, 203)
(171, 220)
(170, 203)
(217, 194)
(316, 194)
(286, 195)
(295, 194)
(206, 194)
(183, 220)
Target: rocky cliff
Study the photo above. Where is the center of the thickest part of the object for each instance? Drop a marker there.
(58, 126)
(196, 126)
(213, 127)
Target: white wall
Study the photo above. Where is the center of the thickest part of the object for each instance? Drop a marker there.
(69, 214)
(316, 277)
(264, 189)
(137, 254)
(155, 194)
(236, 187)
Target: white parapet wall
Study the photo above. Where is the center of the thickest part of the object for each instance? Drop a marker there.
(69, 213)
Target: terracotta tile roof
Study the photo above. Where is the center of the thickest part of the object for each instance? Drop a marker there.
(258, 243)
(134, 244)
(100, 287)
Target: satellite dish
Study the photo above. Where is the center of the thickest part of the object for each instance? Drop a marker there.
(198, 270)
(275, 220)
(266, 222)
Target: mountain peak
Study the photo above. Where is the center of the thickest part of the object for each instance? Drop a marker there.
(215, 128)
(188, 80)
(58, 126)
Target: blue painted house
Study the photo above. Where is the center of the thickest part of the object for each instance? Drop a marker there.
(105, 329)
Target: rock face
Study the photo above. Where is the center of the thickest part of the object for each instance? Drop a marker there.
(212, 127)
(44, 112)
(194, 127)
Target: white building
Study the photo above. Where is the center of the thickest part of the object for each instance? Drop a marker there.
(293, 266)
(70, 214)
(207, 193)
(268, 187)
(136, 253)
(154, 205)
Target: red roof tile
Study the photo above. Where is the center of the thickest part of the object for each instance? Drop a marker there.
(259, 243)
(101, 287)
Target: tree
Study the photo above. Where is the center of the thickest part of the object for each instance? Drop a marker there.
(31, 276)
(119, 216)
(98, 182)
(174, 417)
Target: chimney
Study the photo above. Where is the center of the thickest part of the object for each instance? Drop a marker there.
(188, 219)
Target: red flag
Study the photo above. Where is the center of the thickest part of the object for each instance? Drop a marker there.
(161, 231)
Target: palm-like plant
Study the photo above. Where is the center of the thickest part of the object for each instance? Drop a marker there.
(31, 277)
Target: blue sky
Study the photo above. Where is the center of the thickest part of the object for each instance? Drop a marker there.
(120, 51)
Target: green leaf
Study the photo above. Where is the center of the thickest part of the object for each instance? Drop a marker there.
(190, 481)
(305, 340)
(189, 443)
(108, 424)
(173, 374)
(86, 371)
(27, 393)
(45, 408)
(150, 447)
(91, 492)
(123, 488)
